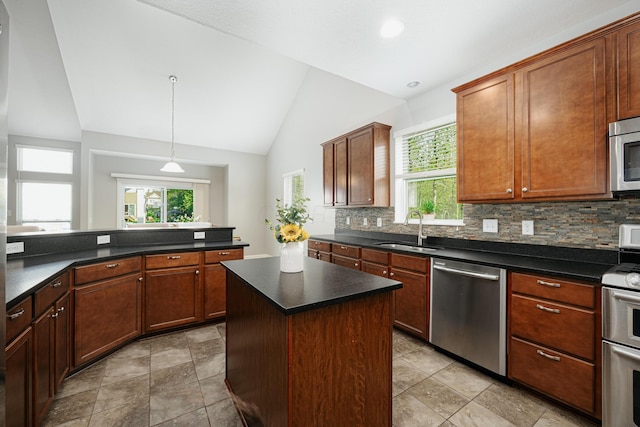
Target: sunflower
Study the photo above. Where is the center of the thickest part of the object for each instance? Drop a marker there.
(290, 232)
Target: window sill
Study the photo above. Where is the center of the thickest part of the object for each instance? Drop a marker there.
(443, 222)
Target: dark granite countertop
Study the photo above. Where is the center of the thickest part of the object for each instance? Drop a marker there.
(26, 275)
(578, 264)
(320, 283)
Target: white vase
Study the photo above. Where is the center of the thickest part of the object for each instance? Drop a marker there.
(291, 257)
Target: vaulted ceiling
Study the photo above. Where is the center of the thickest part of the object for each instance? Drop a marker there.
(104, 65)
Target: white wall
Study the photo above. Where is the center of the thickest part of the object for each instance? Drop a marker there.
(243, 199)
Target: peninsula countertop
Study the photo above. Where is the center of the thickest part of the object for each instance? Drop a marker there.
(320, 284)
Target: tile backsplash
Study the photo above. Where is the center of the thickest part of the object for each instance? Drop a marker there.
(592, 225)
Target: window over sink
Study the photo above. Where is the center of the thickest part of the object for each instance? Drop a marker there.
(426, 172)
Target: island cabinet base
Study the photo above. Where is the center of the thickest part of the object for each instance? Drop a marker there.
(325, 366)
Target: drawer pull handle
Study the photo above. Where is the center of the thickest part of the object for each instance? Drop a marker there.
(139, 279)
(355, 264)
(548, 356)
(550, 284)
(61, 309)
(16, 314)
(343, 247)
(224, 253)
(112, 265)
(54, 315)
(56, 284)
(547, 309)
(174, 257)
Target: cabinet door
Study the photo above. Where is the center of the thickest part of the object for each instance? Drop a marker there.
(563, 128)
(215, 291)
(360, 166)
(43, 363)
(411, 302)
(62, 357)
(173, 297)
(485, 141)
(327, 173)
(19, 380)
(107, 315)
(340, 165)
(629, 72)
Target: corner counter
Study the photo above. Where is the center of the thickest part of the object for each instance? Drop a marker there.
(308, 348)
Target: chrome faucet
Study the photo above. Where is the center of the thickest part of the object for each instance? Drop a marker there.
(406, 222)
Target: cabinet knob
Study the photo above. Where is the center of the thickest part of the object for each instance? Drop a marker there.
(384, 272)
(355, 264)
(509, 190)
(197, 272)
(390, 274)
(525, 189)
(61, 309)
(369, 199)
(139, 279)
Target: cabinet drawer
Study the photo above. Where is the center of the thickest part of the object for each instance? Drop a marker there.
(556, 374)
(558, 326)
(374, 268)
(346, 261)
(46, 296)
(408, 262)
(214, 257)
(379, 257)
(181, 259)
(104, 270)
(319, 246)
(18, 318)
(345, 250)
(555, 289)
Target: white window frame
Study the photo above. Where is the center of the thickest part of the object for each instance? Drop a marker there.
(287, 182)
(401, 179)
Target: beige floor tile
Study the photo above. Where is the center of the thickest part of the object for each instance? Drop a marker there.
(73, 407)
(214, 389)
(201, 334)
(560, 418)
(427, 360)
(120, 369)
(439, 397)
(409, 412)
(175, 402)
(512, 404)
(223, 414)
(173, 376)
(211, 366)
(177, 340)
(170, 357)
(206, 349)
(474, 415)
(134, 390)
(197, 418)
(405, 375)
(88, 379)
(135, 414)
(463, 379)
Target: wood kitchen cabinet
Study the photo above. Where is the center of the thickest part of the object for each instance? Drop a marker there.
(411, 302)
(628, 56)
(215, 289)
(319, 250)
(537, 130)
(173, 290)
(345, 255)
(51, 343)
(19, 364)
(375, 262)
(107, 307)
(356, 168)
(555, 339)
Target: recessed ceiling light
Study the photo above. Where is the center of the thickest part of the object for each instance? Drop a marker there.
(391, 28)
(413, 84)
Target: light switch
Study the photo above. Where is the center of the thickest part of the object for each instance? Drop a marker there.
(15, 247)
(490, 225)
(365, 221)
(379, 222)
(103, 239)
(198, 234)
(527, 228)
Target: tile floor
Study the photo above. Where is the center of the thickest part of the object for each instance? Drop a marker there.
(178, 380)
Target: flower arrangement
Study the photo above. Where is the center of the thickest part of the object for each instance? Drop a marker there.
(291, 219)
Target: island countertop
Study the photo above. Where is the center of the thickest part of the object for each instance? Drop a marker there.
(319, 284)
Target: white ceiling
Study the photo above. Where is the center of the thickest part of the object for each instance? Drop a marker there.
(104, 65)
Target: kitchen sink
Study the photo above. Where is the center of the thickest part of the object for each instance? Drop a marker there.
(409, 248)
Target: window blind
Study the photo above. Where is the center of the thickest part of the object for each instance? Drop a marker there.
(428, 151)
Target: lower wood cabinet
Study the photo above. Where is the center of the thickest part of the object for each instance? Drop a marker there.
(554, 346)
(108, 313)
(346, 256)
(411, 302)
(319, 250)
(19, 380)
(215, 281)
(173, 290)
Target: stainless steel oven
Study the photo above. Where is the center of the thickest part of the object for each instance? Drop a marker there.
(621, 334)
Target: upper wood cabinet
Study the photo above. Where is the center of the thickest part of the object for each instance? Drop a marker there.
(485, 122)
(628, 55)
(537, 130)
(356, 168)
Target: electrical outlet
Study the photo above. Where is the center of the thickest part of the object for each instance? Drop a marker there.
(198, 234)
(527, 228)
(379, 222)
(490, 225)
(104, 239)
(348, 220)
(15, 247)
(365, 221)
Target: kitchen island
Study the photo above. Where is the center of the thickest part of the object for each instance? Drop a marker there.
(308, 348)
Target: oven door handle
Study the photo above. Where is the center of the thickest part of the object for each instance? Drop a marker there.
(626, 353)
(625, 297)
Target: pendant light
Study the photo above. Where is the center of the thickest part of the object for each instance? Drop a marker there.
(171, 165)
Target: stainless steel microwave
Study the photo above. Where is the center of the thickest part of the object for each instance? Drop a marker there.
(624, 154)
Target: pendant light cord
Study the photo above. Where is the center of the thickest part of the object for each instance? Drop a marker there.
(173, 79)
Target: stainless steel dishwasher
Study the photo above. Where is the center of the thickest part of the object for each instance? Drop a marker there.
(468, 312)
